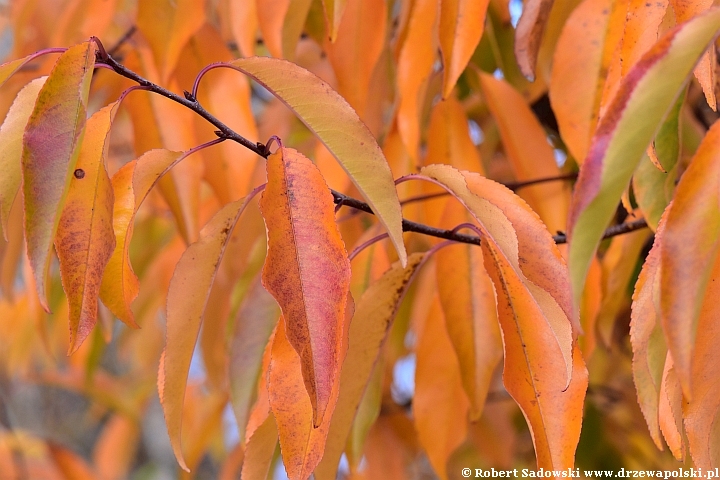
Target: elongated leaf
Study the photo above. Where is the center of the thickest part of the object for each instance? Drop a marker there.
(256, 320)
(371, 323)
(302, 442)
(334, 12)
(306, 269)
(544, 371)
(461, 25)
(646, 337)
(440, 406)
(644, 98)
(448, 138)
(340, 129)
(11, 153)
(186, 300)
(528, 34)
(131, 185)
(528, 150)
(468, 303)
(244, 25)
(693, 219)
(85, 238)
(260, 450)
(670, 411)
(51, 146)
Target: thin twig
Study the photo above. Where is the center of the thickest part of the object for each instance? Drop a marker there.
(225, 132)
(121, 41)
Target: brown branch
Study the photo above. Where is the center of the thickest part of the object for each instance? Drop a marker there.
(189, 101)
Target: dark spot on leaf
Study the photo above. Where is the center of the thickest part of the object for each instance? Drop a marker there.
(79, 173)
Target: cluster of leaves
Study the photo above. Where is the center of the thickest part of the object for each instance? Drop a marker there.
(104, 163)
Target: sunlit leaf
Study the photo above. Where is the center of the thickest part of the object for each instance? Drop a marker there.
(85, 238)
(340, 129)
(334, 13)
(244, 23)
(645, 97)
(51, 146)
(528, 34)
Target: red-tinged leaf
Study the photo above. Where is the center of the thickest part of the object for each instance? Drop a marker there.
(468, 304)
(370, 325)
(256, 320)
(528, 150)
(414, 67)
(302, 441)
(528, 34)
(186, 300)
(646, 337)
(131, 184)
(440, 406)
(306, 270)
(334, 10)
(168, 25)
(363, 24)
(462, 23)
(670, 411)
(51, 146)
(336, 124)
(705, 70)
(627, 128)
(11, 135)
(702, 412)
(576, 83)
(544, 370)
(85, 238)
(260, 451)
(244, 23)
(687, 273)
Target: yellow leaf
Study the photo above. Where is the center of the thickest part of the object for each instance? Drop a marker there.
(334, 14)
(50, 148)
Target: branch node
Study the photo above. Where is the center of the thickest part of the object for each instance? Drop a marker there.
(189, 96)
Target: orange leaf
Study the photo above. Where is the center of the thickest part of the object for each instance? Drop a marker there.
(528, 150)
(260, 450)
(306, 269)
(256, 320)
(370, 326)
(244, 23)
(302, 440)
(115, 450)
(131, 185)
(692, 219)
(70, 464)
(461, 25)
(440, 406)
(335, 123)
(448, 138)
(468, 303)
(85, 238)
(334, 13)
(11, 134)
(670, 411)
(186, 300)
(50, 149)
(528, 34)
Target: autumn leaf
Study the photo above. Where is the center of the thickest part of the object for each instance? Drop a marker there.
(370, 325)
(644, 98)
(528, 34)
(670, 411)
(306, 269)
(260, 450)
(50, 149)
(334, 10)
(85, 238)
(10, 156)
(339, 128)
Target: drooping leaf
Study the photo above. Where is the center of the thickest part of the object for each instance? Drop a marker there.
(544, 371)
(11, 153)
(448, 138)
(687, 273)
(642, 22)
(302, 441)
(131, 184)
(85, 238)
(670, 411)
(340, 129)
(644, 98)
(260, 450)
(306, 269)
(50, 149)
(440, 406)
(646, 337)
(115, 450)
(334, 10)
(528, 150)
(168, 25)
(371, 323)
(256, 319)
(462, 23)
(468, 303)
(528, 34)
(186, 300)
(244, 23)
